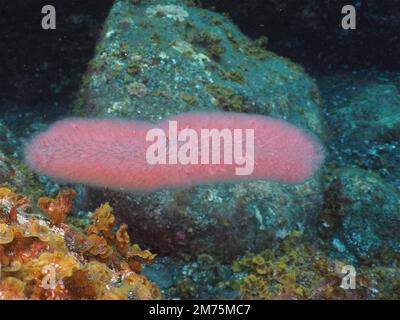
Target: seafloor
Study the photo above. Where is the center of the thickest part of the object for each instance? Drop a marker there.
(149, 59)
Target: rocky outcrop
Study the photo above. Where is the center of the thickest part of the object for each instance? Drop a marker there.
(156, 60)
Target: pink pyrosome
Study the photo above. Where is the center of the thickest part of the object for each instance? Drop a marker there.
(112, 153)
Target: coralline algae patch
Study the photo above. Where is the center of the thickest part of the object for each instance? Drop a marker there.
(295, 270)
(43, 259)
(114, 153)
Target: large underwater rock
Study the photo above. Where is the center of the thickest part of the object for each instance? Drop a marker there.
(362, 214)
(363, 115)
(372, 114)
(317, 22)
(159, 58)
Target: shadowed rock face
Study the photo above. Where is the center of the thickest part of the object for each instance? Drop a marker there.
(309, 30)
(154, 61)
(364, 216)
(41, 66)
(362, 113)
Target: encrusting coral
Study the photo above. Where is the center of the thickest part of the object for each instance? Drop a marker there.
(294, 270)
(42, 259)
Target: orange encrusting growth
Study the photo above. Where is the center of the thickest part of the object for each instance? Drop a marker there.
(42, 261)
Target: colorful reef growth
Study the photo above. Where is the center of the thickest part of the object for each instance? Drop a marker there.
(52, 259)
(297, 270)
